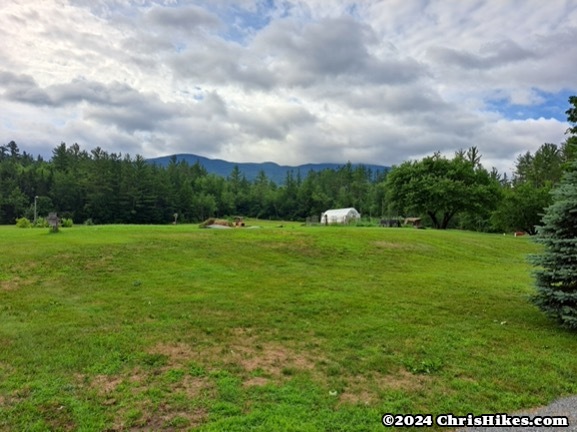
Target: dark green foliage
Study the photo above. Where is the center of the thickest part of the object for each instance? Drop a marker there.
(110, 188)
(556, 277)
(521, 208)
(572, 115)
(526, 197)
(569, 147)
(105, 188)
(442, 188)
(545, 166)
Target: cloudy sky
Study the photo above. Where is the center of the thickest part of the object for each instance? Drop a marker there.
(289, 81)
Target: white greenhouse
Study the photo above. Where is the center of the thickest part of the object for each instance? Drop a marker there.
(340, 216)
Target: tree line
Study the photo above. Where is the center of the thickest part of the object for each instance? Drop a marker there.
(112, 188)
(457, 192)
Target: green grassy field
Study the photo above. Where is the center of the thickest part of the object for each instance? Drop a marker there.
(110, 328)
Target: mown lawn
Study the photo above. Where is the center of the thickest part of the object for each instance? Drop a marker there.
(110, 328)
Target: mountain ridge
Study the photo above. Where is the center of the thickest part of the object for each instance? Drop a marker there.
(250, 170)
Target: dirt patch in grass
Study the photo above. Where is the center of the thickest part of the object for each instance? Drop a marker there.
(16, 283)
(21, 393)
(271, 358)
(137, 376)
(20, 276)
(401, 246)
(363, 390)
(358, 390)
(244, 349)
(389, 245)
(255, 382)
(363, 397)
(299, 247)
(193, 387)
(184, 420)
(165, 416)
(100, 263)
(57, 416)
(5, 367)
(178, 354)
(166, 419)
(196, 417)
(10, 285)
(403, 380)
(105, 384)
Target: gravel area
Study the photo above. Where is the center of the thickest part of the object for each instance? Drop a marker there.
(561, 407)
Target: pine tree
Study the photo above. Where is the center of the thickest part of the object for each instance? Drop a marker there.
(556, 276)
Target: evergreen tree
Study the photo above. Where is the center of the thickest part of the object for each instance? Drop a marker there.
(556, 277)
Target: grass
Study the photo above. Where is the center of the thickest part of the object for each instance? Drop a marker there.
(287, 329)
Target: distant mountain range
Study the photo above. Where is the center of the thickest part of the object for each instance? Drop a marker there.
(273, 171)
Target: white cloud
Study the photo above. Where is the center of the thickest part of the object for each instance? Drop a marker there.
(301, 81)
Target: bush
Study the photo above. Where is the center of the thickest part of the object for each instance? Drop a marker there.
(365, 223)
(41, 223)
(89, 222)
(23, 223)
(66, 222)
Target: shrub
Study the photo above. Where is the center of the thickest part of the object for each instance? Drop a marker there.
(365, 223)
(89, 221)
(23, 223)
(66, 223)
(41, 223)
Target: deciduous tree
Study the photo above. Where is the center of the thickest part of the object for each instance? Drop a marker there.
(521, 208)
(441, 187)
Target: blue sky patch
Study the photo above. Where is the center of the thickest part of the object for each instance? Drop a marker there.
(552, 105)
(242, 23)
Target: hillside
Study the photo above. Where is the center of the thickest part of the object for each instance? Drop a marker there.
(125, 327)
(273, 171)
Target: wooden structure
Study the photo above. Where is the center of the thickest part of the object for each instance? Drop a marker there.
(413, 221)
(390, 223)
